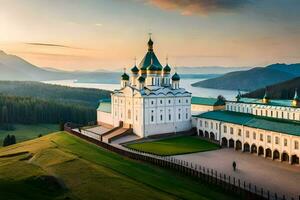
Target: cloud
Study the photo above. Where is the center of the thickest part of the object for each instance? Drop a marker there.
(51, 45)
(201, 7)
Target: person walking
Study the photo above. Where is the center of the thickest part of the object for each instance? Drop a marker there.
(234, 165)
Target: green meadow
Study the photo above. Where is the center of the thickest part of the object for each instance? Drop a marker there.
(28, 132)
(175, 146)
(61, 166)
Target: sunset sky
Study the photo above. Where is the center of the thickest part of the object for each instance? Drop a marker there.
(108, 34)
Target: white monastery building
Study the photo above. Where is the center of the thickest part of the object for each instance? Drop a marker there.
(268, 128)
(150, 101)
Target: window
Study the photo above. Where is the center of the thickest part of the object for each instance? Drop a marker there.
(268, 139)
(179, 101)
(187, 101)
(129, 114)
(276, 114)
(186, 115)
(271, 113)
(161, 117)
(152, 117)
(276, 140)
(225, 129)
(200, 123)
(254, 135)
(216, 126)
(256, 112)
(170, 118)
(261, 137)
(296, 145)
(247, 134)
(179, 116)
(239, 132)
(293, 116)
(169, 101)
(160, 101)
(288, 115)
(231, 130)
(285, 142)
(211, 125)
(206, 124)
(152, 102)
(261, 112)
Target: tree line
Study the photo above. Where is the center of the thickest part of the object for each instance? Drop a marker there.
(30, 110)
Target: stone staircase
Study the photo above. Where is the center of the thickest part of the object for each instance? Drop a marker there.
(115, 134)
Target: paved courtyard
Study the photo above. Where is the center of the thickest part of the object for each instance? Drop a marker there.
(271, 175)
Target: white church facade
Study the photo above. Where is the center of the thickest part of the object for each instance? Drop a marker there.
(150, 101)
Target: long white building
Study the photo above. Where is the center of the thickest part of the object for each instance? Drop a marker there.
(149, 101)
(269, 128)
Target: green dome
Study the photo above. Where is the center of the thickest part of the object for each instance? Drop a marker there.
(135, 69)
(152, 67)
(167, 68)
(125, 77)
(175, 77)
(141, 79)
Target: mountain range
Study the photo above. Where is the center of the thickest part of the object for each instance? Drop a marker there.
(283, 90)
(252, 79)
(15, 68)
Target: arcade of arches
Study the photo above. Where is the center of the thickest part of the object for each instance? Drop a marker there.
(252, 148)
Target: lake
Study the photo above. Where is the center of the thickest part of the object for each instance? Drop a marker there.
(184, 83)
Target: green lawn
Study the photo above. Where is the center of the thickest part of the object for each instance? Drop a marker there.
(28, 132)
(174, 146)
(80, 170)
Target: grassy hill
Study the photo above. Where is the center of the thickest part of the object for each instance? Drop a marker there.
(283, 90)
(61, 166)
(252, 79)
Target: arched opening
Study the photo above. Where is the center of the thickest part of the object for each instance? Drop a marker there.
(206, 134)
(224, 142)
(276, 155)
(295, 160)
(260, 150)
(238, 145)
(246, 147)
(254, 149)
(231, 143)
(201, 134)
(212, 136)
(268, 153)
(284, 157)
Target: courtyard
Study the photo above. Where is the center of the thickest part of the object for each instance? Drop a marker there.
(271, 175)
(175, 146)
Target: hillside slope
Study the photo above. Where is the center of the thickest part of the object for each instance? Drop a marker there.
(252, 79)
(60, 166)
(283, 90)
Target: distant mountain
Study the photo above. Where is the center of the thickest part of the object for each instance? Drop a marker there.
(283, 90)
(209, 70)
(252, 79)
(15, 68)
